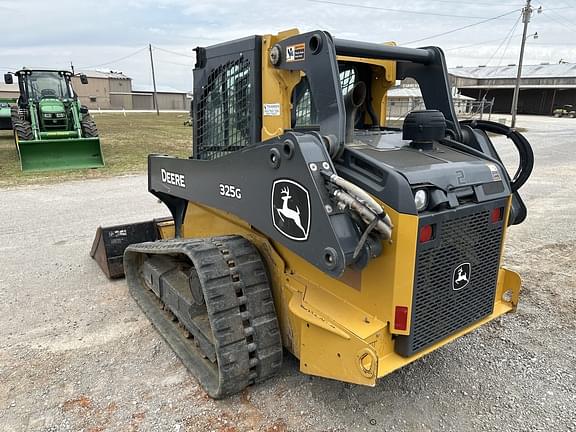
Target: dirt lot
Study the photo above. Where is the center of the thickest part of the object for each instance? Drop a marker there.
(125, 141)
(77, 354)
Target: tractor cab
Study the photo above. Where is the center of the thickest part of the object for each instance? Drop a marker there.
(51, 92)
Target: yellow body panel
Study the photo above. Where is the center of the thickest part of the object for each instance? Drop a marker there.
(277, 86)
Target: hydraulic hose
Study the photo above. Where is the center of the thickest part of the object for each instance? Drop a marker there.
(520, 142)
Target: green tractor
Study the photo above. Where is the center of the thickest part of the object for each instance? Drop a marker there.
(52, 130)
(5, 113)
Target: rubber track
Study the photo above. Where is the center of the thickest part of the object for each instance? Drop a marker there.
(240, 311)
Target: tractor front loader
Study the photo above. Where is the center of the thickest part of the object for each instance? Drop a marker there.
(304, 221)
(51, 129)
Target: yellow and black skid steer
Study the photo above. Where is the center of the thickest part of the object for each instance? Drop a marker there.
(304, 220)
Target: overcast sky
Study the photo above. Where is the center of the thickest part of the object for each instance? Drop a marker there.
(98, 34)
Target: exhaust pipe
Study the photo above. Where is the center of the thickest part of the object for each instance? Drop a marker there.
(353, 100)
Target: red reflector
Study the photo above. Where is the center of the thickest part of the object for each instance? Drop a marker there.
(497, 214)
(425, 233)
(401, 318)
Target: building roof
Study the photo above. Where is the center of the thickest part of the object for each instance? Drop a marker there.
(414, 92)
(104, 74)
(561, 70)
(404, 92)
(144, 88)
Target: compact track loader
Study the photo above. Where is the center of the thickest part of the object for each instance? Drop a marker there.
(302, 220)
(51, 129)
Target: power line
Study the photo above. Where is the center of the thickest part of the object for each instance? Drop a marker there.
(505, 50)
(566, 6)
(506, 41)
(556, 20)
(476, 44)
(175, 63)
(474, 3)
(462, 28)
(113, 61)
(405, 11)
(172, 52)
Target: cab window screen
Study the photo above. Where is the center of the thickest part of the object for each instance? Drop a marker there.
(223, 115)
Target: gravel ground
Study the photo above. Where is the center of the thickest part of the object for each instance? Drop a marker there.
(77, 354)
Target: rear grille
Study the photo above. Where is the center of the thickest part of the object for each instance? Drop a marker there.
(466, 236)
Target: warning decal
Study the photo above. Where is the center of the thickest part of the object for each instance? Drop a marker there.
(295, 52)
(272, 109)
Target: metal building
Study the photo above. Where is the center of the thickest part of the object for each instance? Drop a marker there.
(542, 87)
(168, 98)
(105, 90)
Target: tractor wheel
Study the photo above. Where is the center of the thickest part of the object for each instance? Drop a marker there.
(22, 129)
(15, 113)
(89, 129)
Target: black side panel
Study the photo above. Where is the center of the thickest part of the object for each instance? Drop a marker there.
(227, 97)
(480, 141)
(276, 186)
(377, 178)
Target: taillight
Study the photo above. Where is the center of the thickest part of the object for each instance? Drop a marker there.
(401, 318)
(497, 214)
(426, 233)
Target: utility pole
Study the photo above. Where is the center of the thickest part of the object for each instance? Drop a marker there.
(526, 14)
(155, 99)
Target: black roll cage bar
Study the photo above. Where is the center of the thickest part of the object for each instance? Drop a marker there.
(425, 65)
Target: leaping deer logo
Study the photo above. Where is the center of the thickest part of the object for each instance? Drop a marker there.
(461, 276)
(291, 211)
(287, 212)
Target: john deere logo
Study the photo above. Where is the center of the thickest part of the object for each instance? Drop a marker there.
(461, 276)
(291, 209)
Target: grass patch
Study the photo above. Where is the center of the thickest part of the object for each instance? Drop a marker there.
(126, 143)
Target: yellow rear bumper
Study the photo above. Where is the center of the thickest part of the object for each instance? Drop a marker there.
(363, 350)
(508, 282)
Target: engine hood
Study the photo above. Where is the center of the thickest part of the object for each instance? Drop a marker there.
(392, 169)
(440, 165)
(51, 106)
